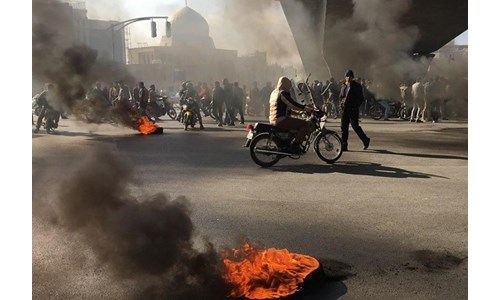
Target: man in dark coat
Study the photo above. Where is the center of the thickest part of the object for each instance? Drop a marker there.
(351, 97)
(218, 101)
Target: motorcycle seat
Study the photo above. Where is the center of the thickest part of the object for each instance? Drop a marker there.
(264, 127)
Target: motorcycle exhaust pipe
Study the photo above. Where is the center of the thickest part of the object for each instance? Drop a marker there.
(272, 152)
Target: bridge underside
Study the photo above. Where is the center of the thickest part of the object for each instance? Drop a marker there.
(324, 30)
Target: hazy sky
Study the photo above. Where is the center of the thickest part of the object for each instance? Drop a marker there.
(463, 39)
(223, 31)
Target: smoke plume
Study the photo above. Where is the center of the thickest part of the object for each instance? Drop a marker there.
(374, 45)
(256, 25)
(148, 239)
(73, 68)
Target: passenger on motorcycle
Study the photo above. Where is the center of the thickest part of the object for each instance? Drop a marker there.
(43, 101)
(281, 108)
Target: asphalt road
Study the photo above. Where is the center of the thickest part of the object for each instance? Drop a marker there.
(389, 222)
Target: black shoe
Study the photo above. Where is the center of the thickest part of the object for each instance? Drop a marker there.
(242, 122)
(202, 127)
(366, 144)
(36, 130)
(219, 125)
(295, 149)
(231, 124)
(344, 148)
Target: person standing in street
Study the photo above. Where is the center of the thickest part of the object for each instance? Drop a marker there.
(351, 97)
(417, 92)
(143, 98)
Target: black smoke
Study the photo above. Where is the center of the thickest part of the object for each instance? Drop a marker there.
(73, 67)
(147, 239)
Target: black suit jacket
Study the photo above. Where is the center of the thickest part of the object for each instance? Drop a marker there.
(353, 99)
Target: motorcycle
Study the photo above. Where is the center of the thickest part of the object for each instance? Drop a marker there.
(163, 106)
(396, 110)
(330, 109)
(206, 107)
(51, 119)
(268, 144)
(189, 117)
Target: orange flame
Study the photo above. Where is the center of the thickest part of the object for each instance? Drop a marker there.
(266, 274)
(145, 126)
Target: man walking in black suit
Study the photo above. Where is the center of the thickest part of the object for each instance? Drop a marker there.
(351, 97)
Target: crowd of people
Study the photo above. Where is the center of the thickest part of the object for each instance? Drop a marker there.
(230, 102)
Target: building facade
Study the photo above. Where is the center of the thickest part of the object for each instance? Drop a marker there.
(190, 54)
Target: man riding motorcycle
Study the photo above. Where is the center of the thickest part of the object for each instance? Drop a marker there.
(43, 100)
(281, 109)
(187, 91)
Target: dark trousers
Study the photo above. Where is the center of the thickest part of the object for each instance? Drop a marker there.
(302, 126)
(217, 109)
(41, 115)
(229, 118)
(351, 116)
(238, 108)
(197, 111)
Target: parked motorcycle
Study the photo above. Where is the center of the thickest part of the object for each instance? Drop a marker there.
(396, 110)
(163, 106)
(206, 107)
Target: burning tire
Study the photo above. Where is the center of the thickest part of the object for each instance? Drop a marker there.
(264, 141)
(328, 146)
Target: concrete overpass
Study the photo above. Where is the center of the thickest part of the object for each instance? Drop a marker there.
(313, 23)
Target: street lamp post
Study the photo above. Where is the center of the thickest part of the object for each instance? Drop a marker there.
(130, 21)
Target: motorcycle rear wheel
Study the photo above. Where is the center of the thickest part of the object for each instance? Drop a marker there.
(263, 141)
(328, 146)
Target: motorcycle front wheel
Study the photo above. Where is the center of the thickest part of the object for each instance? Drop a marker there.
(264, 142)
(376, 112)
(328, 146)
(172, 113)
(187, 121)
(404, 113)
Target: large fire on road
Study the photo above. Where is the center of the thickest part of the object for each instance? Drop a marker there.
(266, 274)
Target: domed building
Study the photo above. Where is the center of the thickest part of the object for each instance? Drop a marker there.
(190, 29)
(190, 54)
